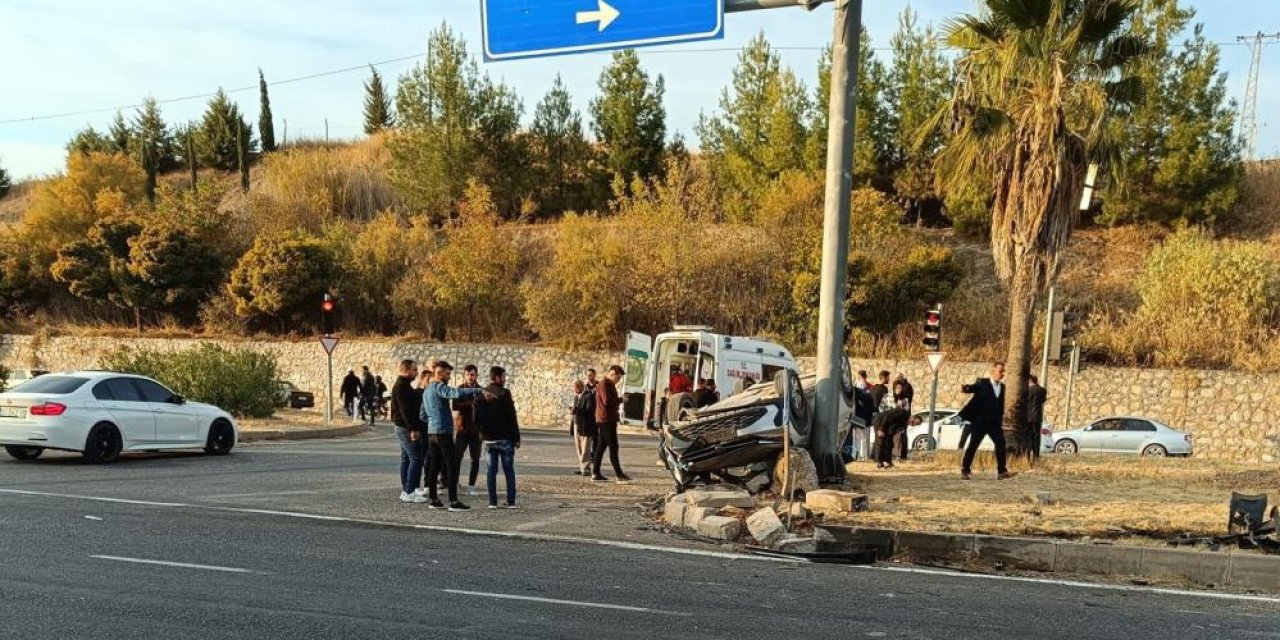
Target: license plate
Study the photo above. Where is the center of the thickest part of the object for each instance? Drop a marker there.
(12, 412)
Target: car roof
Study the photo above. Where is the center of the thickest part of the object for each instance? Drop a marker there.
(93, 374)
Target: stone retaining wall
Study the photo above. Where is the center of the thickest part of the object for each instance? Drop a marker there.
(1234, 416)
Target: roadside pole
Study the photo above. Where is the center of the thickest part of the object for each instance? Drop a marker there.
(1048, 337)
(835, 237)
(1071, 383)
(329, 343)
(936, 365)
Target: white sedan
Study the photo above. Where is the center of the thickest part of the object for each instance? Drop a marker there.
(103, 414)
(1125, 434)
(948, 428)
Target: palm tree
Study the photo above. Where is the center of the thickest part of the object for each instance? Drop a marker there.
(1036, 82)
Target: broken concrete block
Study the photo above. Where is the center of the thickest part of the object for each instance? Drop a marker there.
(693, 516)
(719, 499)
(682, 498)
(673, 514)
(758, 483)
(822, 535)
(796, 544)
(720, 528)
(806, 474)
(765, 527)
(830, 501)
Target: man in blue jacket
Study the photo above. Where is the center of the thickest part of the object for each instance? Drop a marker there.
(437, 413)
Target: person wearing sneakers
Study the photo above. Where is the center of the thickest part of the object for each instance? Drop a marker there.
(985, 413)
(405, 406)
(466, 437)
(500, 430)
(607, 404)
(439, 418)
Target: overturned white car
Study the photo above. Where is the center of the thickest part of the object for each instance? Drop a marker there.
(738, 440)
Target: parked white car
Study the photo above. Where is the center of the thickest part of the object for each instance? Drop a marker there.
(103, 414)
(1127, 435)
(947, 430)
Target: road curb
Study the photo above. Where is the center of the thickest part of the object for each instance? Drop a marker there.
(265, 435)
(1205, 568)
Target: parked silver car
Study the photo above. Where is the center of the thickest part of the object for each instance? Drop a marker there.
(1125, 435)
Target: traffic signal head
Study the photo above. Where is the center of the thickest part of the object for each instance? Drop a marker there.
(327, 306)
(933, 330)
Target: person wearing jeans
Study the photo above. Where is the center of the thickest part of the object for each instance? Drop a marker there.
(405, 407)
(500, 429)
(439, 418)
(466, 436)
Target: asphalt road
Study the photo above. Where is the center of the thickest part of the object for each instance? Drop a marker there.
(265, 544)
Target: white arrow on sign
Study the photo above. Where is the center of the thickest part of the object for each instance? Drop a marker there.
(329, 343)
(605, 15)
(935, 360)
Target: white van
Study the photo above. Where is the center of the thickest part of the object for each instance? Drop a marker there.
(684, 356)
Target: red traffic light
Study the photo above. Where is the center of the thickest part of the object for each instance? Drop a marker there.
(327, 306)
(933, 318)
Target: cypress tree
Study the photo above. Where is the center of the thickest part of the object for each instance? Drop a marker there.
(377, 104)
(5, 183)
(266, 129)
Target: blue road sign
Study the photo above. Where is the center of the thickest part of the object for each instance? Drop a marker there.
(534, 28)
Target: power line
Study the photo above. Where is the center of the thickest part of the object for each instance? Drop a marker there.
(416, 56)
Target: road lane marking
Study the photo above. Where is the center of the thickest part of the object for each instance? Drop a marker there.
(570, 603)
(180, 565)
(1074, 583)
(636, 546)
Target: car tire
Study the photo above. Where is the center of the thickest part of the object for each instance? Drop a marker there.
(103, 445)
(678, 405)
(24, 453)
(221, 439)
(923, 443)
(1066, 446)
(1155, 451)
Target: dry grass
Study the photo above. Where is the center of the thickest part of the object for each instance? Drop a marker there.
(1130, 500)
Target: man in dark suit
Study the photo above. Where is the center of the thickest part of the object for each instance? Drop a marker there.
(985, 414)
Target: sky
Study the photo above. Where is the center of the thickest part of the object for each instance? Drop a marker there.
(70, 56)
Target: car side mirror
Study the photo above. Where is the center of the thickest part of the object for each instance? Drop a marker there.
(177, 399)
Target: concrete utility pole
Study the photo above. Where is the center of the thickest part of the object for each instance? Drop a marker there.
(835, 237)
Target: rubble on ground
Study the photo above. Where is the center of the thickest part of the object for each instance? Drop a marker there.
(806, 474)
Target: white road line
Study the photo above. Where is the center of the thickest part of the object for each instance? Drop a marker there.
(635, 546)
(1076, 584)
(571, 603)
(180, 565)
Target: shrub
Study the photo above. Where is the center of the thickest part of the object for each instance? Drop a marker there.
(305, 188)
(281, 279)
(242, 382)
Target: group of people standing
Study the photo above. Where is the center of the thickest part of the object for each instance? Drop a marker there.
(887, 408)
(362, 395)
(594, 418)
(437, 424)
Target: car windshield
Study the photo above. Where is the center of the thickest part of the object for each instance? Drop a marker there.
(54, 385)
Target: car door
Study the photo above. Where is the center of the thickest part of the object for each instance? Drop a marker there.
(947, 430)
(635, 389)
(1098, 439)
(1133, 434)
(134, 417)
(175, 423)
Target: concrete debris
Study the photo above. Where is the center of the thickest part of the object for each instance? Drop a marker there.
(693, 516)
(766, 527)
(720, 498)
(797, 511)
(831, 501)
(758, 483)
(673, 514)
(720, 528)
(806, 474)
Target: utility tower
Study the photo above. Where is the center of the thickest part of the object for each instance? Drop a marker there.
(1249, 113)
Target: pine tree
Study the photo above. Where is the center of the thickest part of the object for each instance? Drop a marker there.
(152, 136)
(120, 135)
(1180, 157)
(629, 119)
(90, 140)
(761, 130)
(216, 139)
(377, 104)
(562, 154)
(266, 128)
(919, 83)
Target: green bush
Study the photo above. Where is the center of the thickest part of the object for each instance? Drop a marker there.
(240, 381)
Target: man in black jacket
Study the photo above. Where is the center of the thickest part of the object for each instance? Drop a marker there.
(985, 414)
(350, 392)
(406, 403)
(368, 394)
(500, 429)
